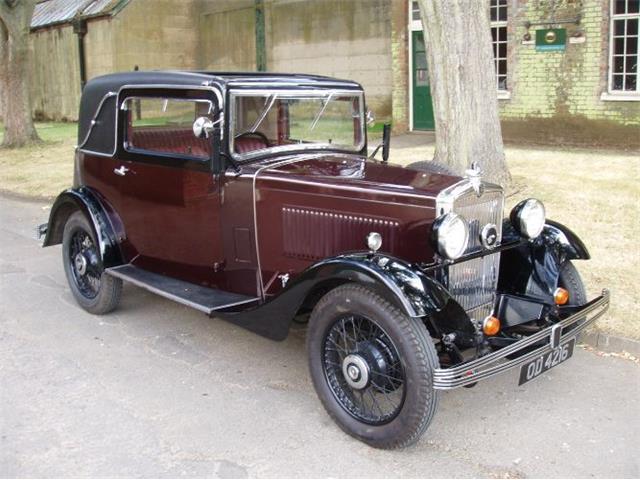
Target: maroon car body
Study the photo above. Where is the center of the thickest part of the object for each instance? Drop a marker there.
(251, 197)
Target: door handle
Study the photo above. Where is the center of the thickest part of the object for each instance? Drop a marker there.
(122, 171)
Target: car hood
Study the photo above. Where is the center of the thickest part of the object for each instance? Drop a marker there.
(354, 175)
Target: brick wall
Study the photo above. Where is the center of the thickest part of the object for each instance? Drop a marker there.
(557, 95)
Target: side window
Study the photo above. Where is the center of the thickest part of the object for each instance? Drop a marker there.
(624, 49)
(165, 126)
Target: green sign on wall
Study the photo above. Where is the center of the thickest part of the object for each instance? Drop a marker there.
(551, 39)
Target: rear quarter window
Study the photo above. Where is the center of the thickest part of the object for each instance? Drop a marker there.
(165, 126)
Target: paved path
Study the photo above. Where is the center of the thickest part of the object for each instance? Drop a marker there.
(156, 389)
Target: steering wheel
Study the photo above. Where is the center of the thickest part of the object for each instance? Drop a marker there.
(260, 135)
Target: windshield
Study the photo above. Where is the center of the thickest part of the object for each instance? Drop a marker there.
(281, 121)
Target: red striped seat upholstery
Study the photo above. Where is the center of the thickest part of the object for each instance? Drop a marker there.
(249, 144)
(170, 140)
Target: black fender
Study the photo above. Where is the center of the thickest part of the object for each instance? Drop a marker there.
(402, 284)
(568, 245)
(88, 202)
(533, 268)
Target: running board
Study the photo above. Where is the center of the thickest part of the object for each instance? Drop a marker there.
(205, 299)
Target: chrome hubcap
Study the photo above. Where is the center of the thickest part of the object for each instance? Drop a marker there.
(356, 371)
(80, 263)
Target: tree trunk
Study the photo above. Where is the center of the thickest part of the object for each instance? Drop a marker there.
(463, 86)
(15, 19)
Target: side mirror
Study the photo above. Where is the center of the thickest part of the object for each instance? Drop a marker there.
(386, 141)
(202, 127)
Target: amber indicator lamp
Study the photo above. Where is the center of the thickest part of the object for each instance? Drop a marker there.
(561, 296)
(491, 326)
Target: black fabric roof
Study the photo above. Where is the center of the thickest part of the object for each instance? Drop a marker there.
(96, 89)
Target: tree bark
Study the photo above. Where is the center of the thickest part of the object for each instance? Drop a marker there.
(15, 19)
(463, 86)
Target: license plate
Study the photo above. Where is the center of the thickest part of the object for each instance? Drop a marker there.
(538, 366)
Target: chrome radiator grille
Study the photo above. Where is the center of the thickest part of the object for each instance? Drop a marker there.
(473, 283)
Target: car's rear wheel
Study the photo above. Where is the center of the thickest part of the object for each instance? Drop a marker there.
(94, 291)
(372, 367)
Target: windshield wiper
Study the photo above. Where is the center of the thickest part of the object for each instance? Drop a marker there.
(321, 112)
(268, 104)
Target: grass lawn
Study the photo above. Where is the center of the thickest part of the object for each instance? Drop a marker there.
(42, 170)
(595, 193)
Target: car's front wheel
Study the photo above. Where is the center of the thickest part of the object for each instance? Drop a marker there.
(95, 291)
(372, 367)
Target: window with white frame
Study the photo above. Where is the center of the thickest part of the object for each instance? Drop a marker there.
(498, 11)
(623, 47)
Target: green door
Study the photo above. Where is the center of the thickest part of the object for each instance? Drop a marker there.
(422, 105)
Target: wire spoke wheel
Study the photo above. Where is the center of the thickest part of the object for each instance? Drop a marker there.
(372, 366)
(84, 262)
(363, 369)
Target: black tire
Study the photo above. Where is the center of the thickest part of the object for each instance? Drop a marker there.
(570, 280)
(412, 381)
(433, 167)
(94, 291)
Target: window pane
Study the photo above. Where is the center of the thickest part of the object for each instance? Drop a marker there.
(617, 82)
(618, 46)
(632, 64)
(618, 27)
(502, 50)
(165, 125)
(502, 82)
(632, 45)
(415, 11)
(632, 26)
(619, 6)
(502, 67)
(633, 6)
(494, 34)
(502, 14)
(631, 83)
(290, 120)
(494, 14)
(618, 64)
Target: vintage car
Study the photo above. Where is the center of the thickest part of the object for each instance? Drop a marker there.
(252, 198)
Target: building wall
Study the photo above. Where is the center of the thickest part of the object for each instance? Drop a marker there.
(56, 74)
(152, 34)
(554, 96)
(557, 95)
(344, 39)
(156, 34)
(99, 47)
(400, 60)
(227, 35)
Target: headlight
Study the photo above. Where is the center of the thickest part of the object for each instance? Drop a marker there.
(451, 235)
(528, 217)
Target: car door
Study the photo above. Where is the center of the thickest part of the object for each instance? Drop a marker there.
(170, 196)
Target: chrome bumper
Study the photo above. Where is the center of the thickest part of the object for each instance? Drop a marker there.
(494, 363)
